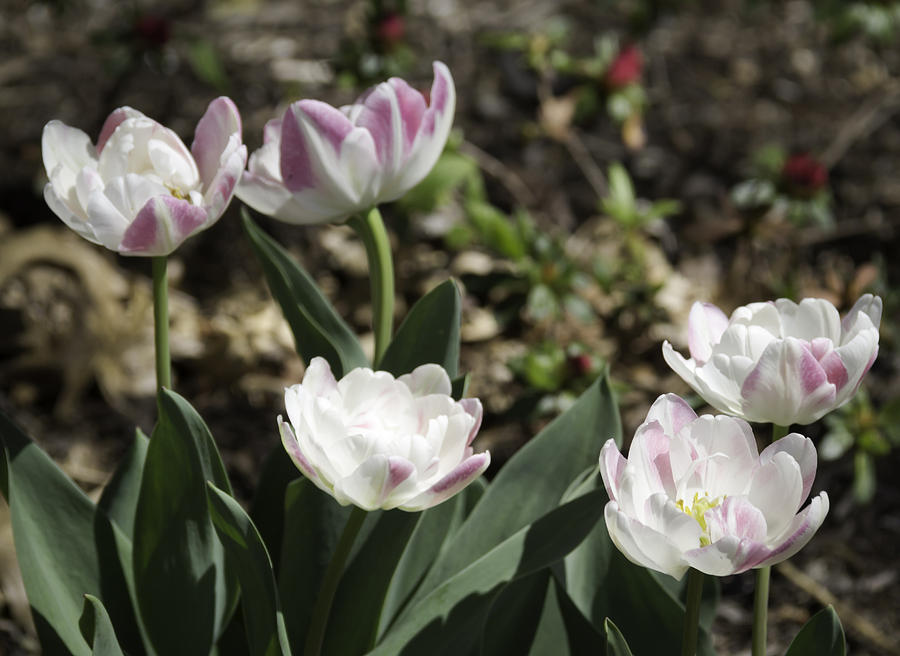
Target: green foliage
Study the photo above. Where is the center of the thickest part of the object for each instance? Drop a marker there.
(858, 428)
(184, 590)
(97, 628)
(822, 635)
(623, 205)
(318, 329)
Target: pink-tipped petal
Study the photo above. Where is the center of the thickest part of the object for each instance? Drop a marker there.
(292, 446)
(216, 130)
(800, 532)
(463, 474)
(706, 323)
(672, 412)
(776, 489)
(304, 121)
(643, 545)
(161, 225)
(473, 408)
(114, 120)
(612, 468)
(412, 107)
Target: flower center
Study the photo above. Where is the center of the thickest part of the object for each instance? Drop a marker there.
(697, 509)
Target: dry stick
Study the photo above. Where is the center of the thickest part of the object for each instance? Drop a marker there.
(866, 120)
(514, 184)
(856, 623)
(586, 163)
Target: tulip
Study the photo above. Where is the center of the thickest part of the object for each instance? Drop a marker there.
(694, 492)
(779, 362)
(320, 164)
(378, 442)
(626, 68)
(140, 191)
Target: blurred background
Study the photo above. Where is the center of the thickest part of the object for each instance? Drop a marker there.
(612, 162)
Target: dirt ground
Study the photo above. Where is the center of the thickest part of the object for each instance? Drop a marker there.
(723, 78)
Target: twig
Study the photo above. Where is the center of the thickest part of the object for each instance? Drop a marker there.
(585, 161)
(517, 188)
(855, 623)
(866, 120)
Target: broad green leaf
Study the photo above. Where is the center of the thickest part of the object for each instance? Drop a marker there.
(53, 531)
(429, 333)
(511, 625)
(822, 635)
(533, 481)
(119, 497)
(566, 622)
(458, 600)
(615, 641)
(318, 329)
(244, 548)
(97, 628)
(313, 522)
(185, 594)
(267, 509)
(423, 547)
(364, 584)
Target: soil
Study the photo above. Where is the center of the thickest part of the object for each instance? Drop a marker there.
(723, 78)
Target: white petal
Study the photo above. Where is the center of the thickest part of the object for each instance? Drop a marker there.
(776, 489)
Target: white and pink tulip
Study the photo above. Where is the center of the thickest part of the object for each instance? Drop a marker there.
(779, 362)
(320, 164)
(140, 191)
(694, 492)
(378, 442)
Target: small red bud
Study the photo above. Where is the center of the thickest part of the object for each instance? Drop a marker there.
(625, 68)
(581, 363)
(391, 29)
(154, 30)
(804, 173)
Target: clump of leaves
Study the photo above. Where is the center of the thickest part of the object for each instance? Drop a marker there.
(866, 433)
(793, 186)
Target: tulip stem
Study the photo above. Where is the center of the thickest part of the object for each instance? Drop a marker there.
(761, 595)
(161, 322)
(760, 611)
(316, 635)
(371, 230)
(692, 612)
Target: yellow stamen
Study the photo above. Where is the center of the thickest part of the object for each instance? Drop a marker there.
(697, 509)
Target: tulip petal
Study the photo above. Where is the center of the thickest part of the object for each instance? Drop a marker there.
(114, 120)
(161, 225)
(788, 385)
(776, 488)
(427, 379)
(463, 474)
(812, 318)
(643, 545)
(803, 451)
(800, 531)
(706, 323)
(612, 468)
(65, 151)
(218, 132)
(473, 408)
(866, 307)
(311, 130)
(70, 218)
(292, 446)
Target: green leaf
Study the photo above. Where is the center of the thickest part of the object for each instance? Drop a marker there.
(244, 548)
(459, 602)
(533, 481)
(53, 531)
(511, 625)
(120, 496)
(429, 333)
(364, 584)
(97, 628)
(822, 635)
(313, 522)
(318, 329)
(434, 526)
(207, 65)
(573, 628)
(450, 172)
(267, 509)
(615, 641)
(185, 594)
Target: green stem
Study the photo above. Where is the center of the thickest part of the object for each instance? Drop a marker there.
(161, 323)
(371, 230)
(763, 574)
(322, 609)
(760, 611)
(692, 613)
